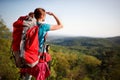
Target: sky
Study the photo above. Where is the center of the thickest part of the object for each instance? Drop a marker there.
(94, 18)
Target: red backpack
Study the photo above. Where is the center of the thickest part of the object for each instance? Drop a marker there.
(25, 43)
(17, 33)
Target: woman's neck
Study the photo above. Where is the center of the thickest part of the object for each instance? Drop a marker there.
(39, 20)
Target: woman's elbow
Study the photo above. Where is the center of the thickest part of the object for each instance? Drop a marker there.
(61, 26)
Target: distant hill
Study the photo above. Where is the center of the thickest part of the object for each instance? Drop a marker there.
(115, 40)
(85, 41)
(88, 45)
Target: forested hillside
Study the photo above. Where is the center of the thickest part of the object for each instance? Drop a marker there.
(8, 71)
(107, 50)
(88, 45)
(76, 58)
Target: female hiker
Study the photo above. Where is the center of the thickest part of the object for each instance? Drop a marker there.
(41, 70)
(40, 15)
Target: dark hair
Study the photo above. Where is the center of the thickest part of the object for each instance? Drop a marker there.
(31, 14)
(39, 12)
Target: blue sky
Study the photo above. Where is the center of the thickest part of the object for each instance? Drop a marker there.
(95, 18)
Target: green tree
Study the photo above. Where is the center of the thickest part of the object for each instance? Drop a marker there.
(91, 64)
(8, 71)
